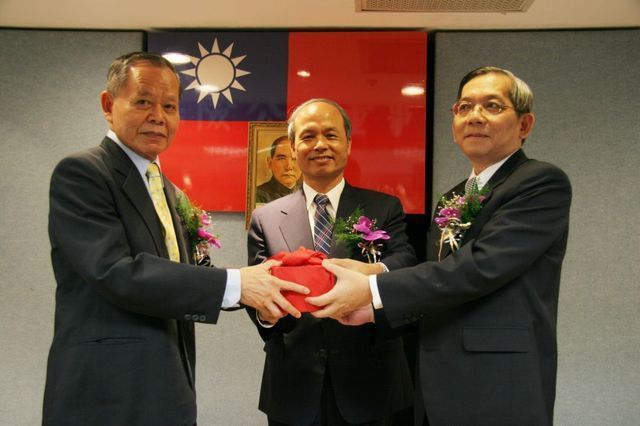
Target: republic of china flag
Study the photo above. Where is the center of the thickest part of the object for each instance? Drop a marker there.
(233, 78)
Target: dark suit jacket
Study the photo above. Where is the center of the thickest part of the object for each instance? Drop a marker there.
(487, 312)
(272, 190)
(123, 346)
(369, 374)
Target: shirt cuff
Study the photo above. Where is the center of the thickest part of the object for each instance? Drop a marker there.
(231, 297)
(263, 324)
(375, 294)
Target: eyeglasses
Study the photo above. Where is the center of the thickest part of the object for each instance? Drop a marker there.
(463, 108)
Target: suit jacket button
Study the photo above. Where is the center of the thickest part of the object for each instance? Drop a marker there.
(187, 317)
(203, 318)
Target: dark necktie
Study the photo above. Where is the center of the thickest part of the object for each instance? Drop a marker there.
(323, 226)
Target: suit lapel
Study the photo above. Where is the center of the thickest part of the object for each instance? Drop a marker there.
(498, 178)
(504, 171)
(349, 202)
(294, 225)
(137, 193)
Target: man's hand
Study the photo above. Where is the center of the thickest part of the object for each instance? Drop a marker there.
(350, 293)
(358, 317)
(261, 290)
(362, 267)
(266, 319)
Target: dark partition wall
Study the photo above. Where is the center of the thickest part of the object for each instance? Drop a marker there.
(586, 103)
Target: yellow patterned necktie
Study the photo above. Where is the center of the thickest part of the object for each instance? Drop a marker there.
(160, 203)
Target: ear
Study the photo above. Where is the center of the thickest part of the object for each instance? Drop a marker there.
(349, 147)
(526, 125)
(106, 101)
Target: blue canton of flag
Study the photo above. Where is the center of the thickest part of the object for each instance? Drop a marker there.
(229, 76)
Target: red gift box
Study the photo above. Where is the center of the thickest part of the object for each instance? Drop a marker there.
(304, 267)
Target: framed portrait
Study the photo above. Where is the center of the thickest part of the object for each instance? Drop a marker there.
(272, 170)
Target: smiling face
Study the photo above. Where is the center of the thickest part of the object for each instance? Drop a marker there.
(144, 112)
(321, 145)
(283, 165)
(485, 138)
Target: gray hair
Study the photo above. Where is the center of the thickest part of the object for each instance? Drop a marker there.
(292, 118)
(119, 69)
(520, 94)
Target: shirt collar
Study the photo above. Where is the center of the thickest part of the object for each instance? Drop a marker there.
(487, 173)
(334, 195)
(139, 161)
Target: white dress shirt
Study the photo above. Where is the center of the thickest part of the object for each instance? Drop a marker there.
(334, 199)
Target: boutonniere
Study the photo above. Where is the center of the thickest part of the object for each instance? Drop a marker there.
(456, 214)
(360, 231)
(198, 224)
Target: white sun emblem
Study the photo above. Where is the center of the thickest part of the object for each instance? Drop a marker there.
(215, 73)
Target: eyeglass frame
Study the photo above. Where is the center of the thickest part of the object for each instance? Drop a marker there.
(502, 107)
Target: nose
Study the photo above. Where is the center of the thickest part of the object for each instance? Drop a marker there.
(476, 114)
(289, 163)
(321, 144)
(156, 114)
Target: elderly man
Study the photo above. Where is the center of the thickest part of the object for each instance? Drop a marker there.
(319, 372)
(123, 350)
(487, 309)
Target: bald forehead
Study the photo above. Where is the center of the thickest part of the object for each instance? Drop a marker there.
(317, 110)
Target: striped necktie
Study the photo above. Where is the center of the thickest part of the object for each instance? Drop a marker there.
(162, 209)
(323, 227)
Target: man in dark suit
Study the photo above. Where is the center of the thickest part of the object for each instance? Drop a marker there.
(319, 372)
(123, 350)
(487, 311)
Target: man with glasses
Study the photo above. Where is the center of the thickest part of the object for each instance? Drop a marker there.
(486, 300)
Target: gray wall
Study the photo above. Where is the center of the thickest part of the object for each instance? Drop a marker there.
(587, 107)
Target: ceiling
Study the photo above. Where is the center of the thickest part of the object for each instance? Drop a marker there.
(303, 14)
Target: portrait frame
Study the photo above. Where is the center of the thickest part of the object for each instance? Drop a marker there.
(261, 136)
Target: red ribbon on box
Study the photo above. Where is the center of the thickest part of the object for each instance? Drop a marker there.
(304, 267)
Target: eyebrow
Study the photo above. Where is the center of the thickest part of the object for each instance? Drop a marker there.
(145, 92)
(142, 91)
(489, 96)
